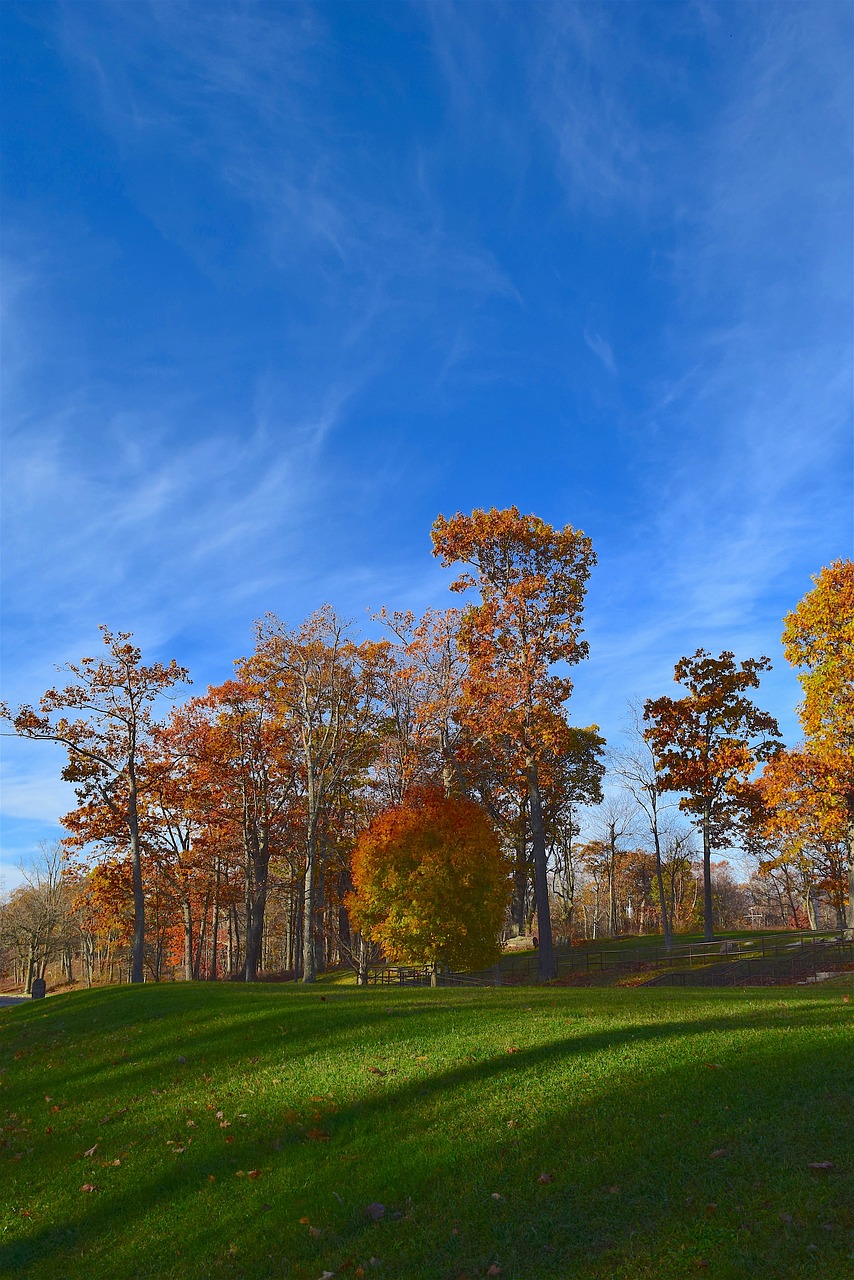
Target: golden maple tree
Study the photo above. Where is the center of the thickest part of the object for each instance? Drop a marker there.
(818, 639)
(431, 882)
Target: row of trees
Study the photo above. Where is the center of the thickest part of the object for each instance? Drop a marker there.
(250, 799)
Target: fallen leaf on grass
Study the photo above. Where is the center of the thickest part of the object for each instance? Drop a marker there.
(88, 1186)
(494, 1270)
(716, 1155)
(514, 1048)
(546, 1177)
(375, 1211)
(254, 1173)
(375, 1071)
(821, 1166)
(318, 1135)
(91, 1150)
(496, 1196)
(315, 1231)
(701, 1263)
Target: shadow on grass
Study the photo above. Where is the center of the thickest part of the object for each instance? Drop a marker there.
(440, 1150)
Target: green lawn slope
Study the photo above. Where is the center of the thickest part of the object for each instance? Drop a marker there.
(225, 1131)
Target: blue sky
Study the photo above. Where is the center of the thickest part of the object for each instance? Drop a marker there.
(282, 282)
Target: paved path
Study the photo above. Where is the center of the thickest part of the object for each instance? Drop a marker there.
(6, 1000)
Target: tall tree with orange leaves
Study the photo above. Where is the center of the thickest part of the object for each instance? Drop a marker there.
(103, 718)
(707, 745)
(532, 580)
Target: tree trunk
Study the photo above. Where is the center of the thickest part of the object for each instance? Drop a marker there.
(320, 895)
(255, 917)
(520, 886)
(309, 966)
(212, 968)
(362, 970)
(708, 917)
(849, 840)
(665, 919)
(187, 915)
(546, 961)
(138, 962)
(200, 944)
(809, 904)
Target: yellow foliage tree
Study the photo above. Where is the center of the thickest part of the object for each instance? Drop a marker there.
(431, 883)
(818, 638)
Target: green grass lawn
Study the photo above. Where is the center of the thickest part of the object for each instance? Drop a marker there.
(235, 1131)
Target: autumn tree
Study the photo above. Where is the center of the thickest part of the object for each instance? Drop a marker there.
(248, 757)
(103, 718)
(639, 768)
(818, 639)
(570, 775)
(425, 695)
(707, 745)
(532, 580)
(36, 916)
(326, 688)
(431, 882)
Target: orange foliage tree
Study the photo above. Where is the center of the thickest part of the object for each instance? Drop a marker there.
(818, 638)
(804, 816)
(326, 689)
(532, 580)
(431, 882)
(708, 744)
(113, 698)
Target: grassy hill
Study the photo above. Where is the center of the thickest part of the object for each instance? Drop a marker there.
(226, 1131)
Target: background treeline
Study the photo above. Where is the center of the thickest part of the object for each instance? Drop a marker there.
(79, 929)
(216, 839)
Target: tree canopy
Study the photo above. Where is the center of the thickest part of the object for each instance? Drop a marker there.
(431, 882)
